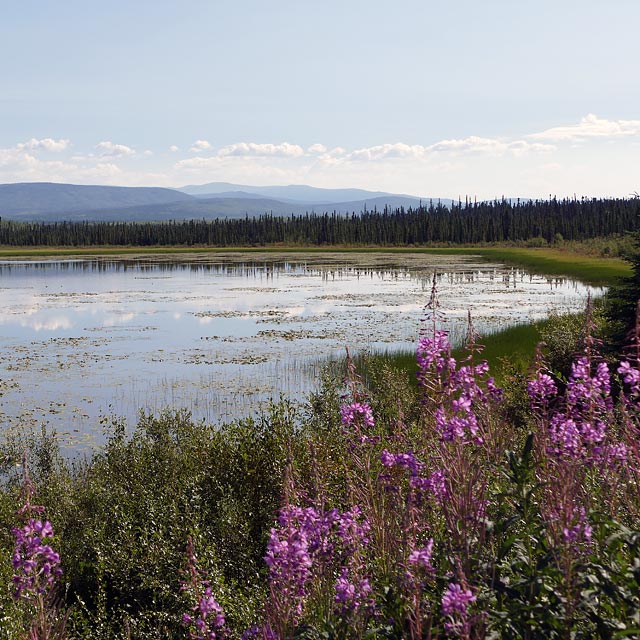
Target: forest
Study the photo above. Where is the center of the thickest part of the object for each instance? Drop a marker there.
(464, 223)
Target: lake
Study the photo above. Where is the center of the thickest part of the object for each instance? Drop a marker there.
(85, 339)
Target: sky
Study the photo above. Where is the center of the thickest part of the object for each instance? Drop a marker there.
(435, 98)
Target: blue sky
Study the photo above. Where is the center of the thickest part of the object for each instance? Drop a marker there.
(440, 98)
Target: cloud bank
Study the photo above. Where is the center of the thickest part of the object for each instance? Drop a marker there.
(591, 127)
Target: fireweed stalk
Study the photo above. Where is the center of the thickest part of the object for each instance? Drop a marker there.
(455, 607)
(459, 398)
(363, 439)
(408, 498)
(37, 567)
(206, 619)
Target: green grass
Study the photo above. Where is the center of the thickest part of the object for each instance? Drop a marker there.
(587, 268)
(514, 346)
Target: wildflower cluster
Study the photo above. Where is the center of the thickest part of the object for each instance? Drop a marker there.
(421, 558)
(305, 543)
(36, 567)
(36, 564)
(458, 389)
(437, 515)
(631, 377)
(577, 428)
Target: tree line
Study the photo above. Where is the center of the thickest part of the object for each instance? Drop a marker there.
(461, 223)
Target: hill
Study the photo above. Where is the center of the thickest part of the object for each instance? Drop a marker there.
(27, 199)
(212, 208)
(50, 202)
(298, 193)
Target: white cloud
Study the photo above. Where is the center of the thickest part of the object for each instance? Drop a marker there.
(199, 145)
(416, 152)
(283, 149)
(469, 144)
(18, 165)
(521, 147)
(198, 163)
(387, 151)
(147, 153)
(110, 149)
(590, 127)
(100, 170)
(496, 146)
(173, 148)
(317, 148)
(45, 144)
(16, 159)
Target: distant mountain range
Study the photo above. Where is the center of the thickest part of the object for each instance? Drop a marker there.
(46, 201)
(298, 193)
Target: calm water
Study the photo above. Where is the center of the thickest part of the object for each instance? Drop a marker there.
(81, 339)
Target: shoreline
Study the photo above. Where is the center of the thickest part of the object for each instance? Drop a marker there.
(547, 261)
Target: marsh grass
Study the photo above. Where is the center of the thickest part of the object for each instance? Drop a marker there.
(506, 350)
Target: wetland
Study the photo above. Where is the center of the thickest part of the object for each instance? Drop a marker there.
(85, 339)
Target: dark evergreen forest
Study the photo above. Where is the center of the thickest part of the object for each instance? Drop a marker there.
(462, 223)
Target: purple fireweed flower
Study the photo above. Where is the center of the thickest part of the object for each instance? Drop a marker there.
(586, 390)
(352, 530)
(457, 427)
(35, 563)
(404, 460)
(494, 390)
(289, 563)
(206, 620)
(455, 416)
(305, 537)
(456, 600)
(579, 430)
(359, 413)
(631, 376)
(435, 484)
(541, 388)
(614, 454)
(434, 350)
(352, 593)
(578, 530)
(565, 435)
(421, 557)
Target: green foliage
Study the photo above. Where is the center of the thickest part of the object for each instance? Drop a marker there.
(622, 302)
(563, 337)
(122, 519)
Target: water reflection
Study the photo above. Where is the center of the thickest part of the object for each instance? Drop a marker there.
(80, 338)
